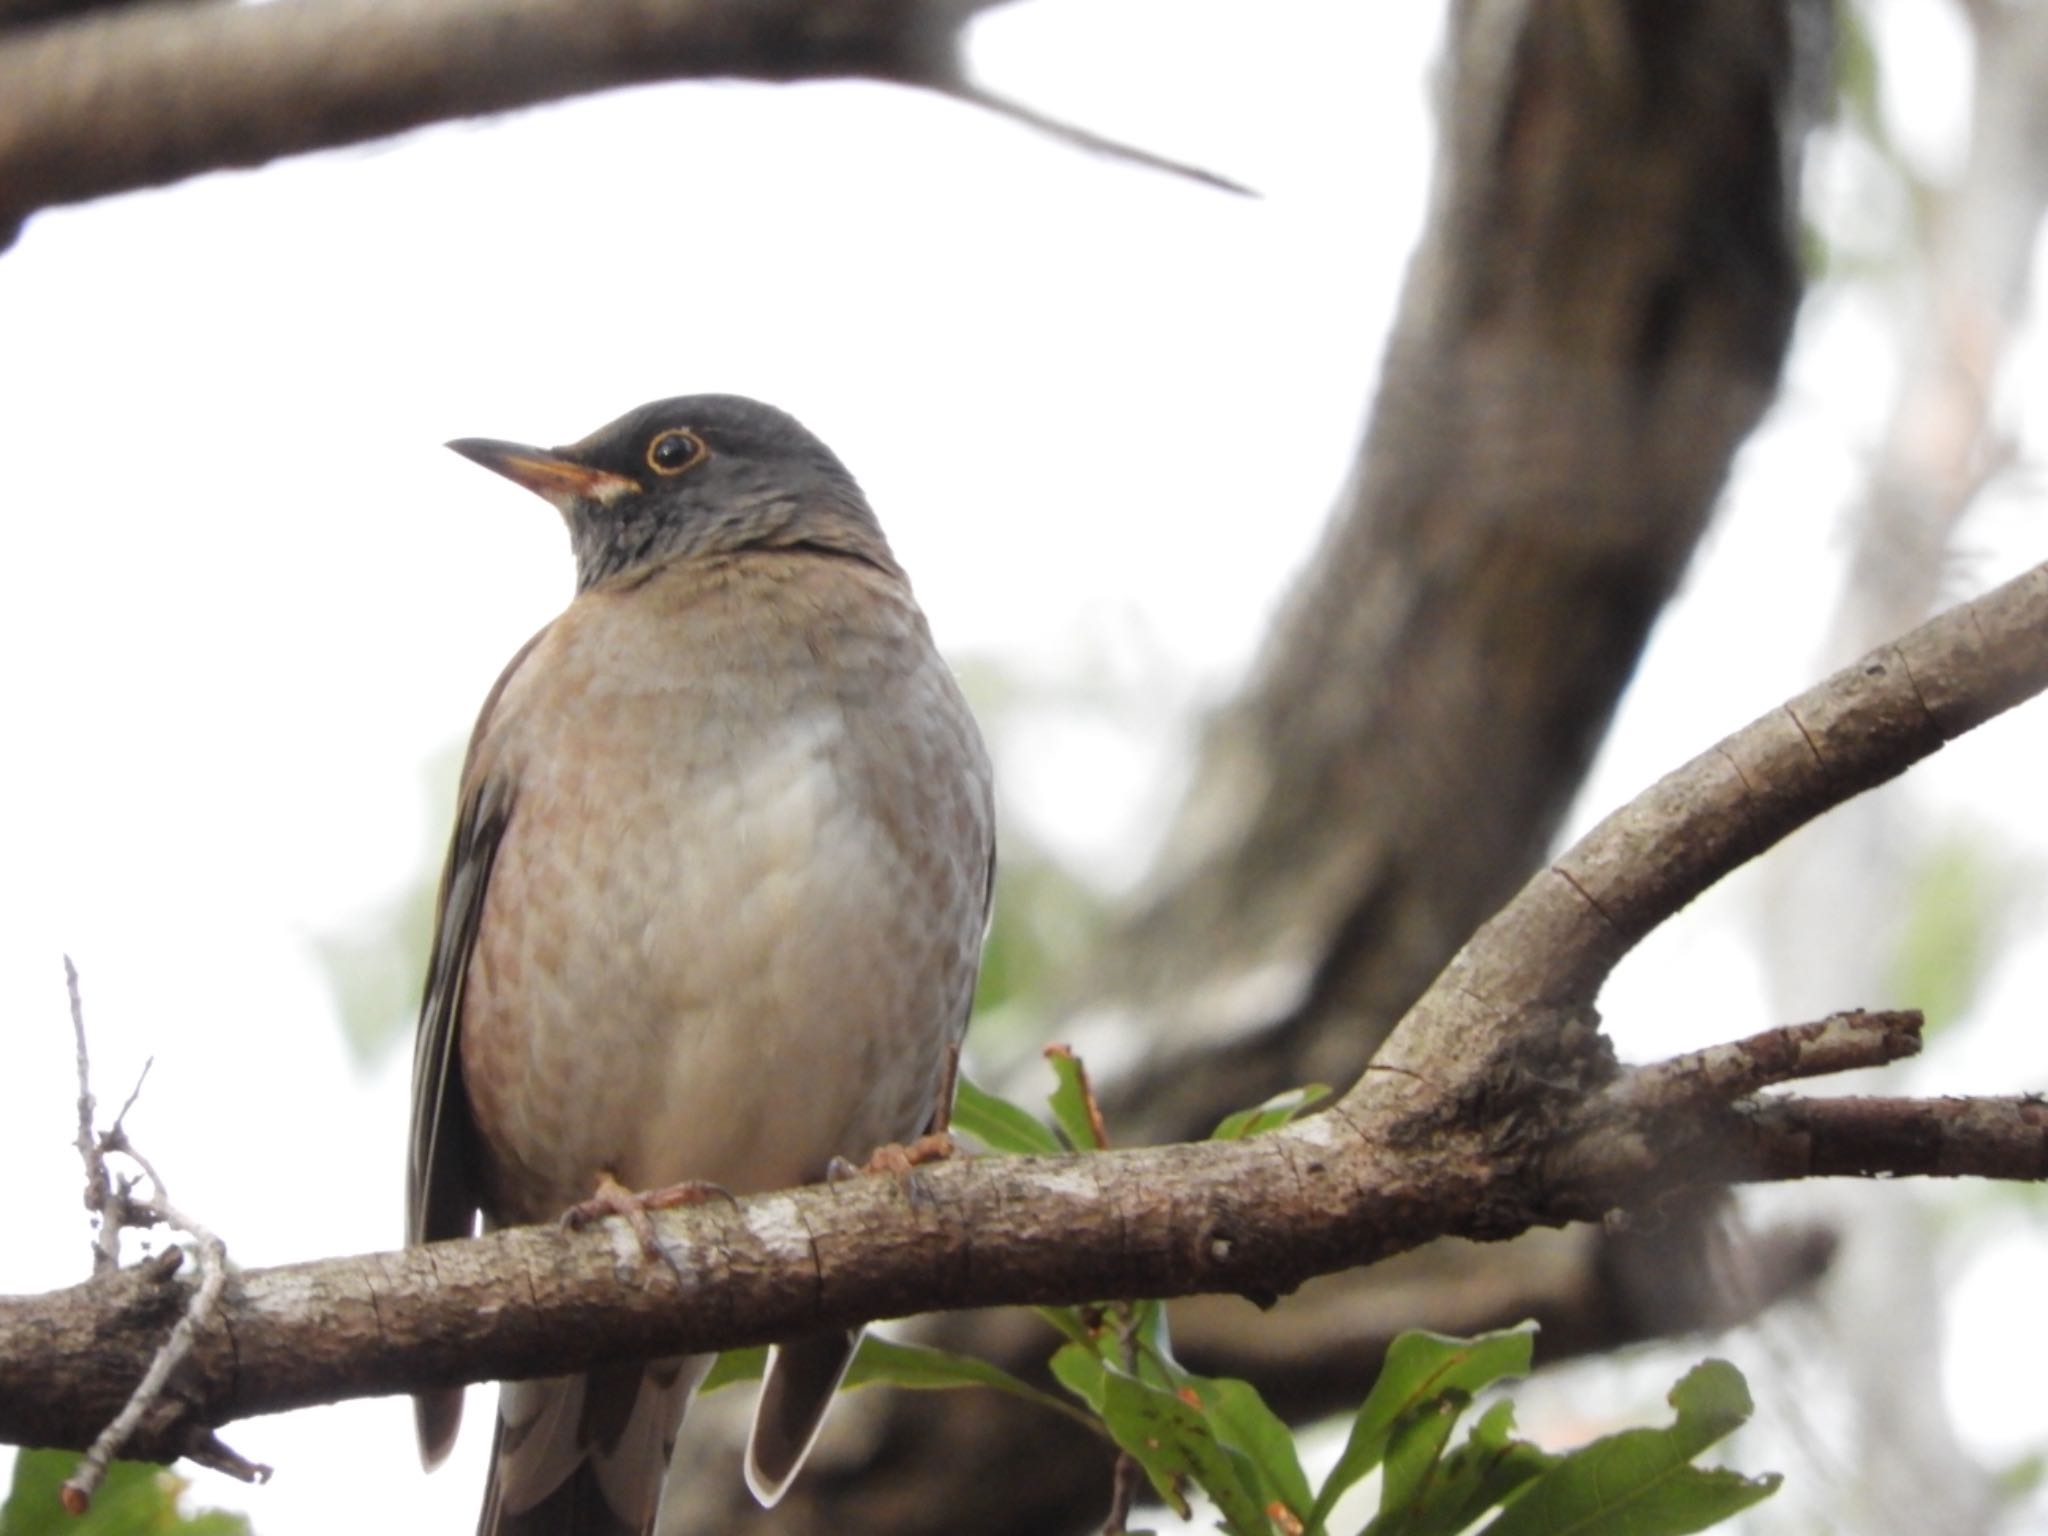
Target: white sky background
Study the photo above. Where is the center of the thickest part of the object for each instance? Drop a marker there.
(1101, 411)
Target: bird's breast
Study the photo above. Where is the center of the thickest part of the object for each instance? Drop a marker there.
(733, 922)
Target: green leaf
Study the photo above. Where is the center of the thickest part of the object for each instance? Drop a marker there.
(1945, 944)
(2019, 1478)
(1172, 1439)
(1419, 1366)
(1489, 1466)
(1413, 1448)
(1857, 69)
(1147, 1330)
(1640, 1482)
(137, 1499)
(1044, 913)
(1000, 1125)
(1242, 1421)
(1079, 1369)
(1069, 1101)
(1067, 1322)
(889, 1362)
(735, 1366)
(374, 958)
(881, 1362)
(1271, 1115)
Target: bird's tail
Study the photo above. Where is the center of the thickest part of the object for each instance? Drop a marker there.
(796, 1390)
(586, 1455)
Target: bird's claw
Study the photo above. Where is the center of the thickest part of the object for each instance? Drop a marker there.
(611, 1198)
(902, 1159)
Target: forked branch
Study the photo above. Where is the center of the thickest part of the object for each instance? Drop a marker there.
(1503, 1111)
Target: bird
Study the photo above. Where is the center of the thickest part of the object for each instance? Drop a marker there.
(711, 915)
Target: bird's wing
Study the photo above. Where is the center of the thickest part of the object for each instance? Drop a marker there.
(443, 1197)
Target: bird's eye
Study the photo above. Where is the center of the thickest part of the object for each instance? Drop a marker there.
(674, 451)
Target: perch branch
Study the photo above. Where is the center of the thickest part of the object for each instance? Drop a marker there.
(1468, 1139)
(1255, 1216)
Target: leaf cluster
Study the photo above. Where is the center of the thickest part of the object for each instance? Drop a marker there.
(1216, 1439)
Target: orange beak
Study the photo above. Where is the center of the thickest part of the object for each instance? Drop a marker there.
(550, 475)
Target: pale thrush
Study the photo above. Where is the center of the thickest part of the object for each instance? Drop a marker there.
(713, 908)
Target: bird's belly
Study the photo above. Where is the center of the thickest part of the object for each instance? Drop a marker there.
(721, 967)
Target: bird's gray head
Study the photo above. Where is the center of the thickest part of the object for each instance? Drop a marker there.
(697, 475)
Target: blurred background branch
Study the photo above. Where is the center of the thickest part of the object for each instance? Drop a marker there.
(102, 96)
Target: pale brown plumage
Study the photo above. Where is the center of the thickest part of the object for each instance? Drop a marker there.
(713, 907)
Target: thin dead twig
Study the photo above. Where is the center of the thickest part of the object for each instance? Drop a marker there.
(100, 1197)
(1842, 1042)
(114, 1202)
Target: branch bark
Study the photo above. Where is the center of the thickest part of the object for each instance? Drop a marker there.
(1239, 1217)
(140, 95)
(1499, 1110)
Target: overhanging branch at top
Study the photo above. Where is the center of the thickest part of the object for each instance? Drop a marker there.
(130, 96)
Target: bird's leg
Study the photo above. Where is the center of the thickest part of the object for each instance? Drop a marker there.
(898, 1157)
(903, 1158)
(612, 1198)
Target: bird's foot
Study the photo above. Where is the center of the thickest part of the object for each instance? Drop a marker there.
(611, 1198)
(901, 1159)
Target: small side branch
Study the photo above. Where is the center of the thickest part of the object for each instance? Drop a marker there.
(1690, 1121)
(1842, 1042)
(202, 1306)
(114, 1201)
(1991, 1138)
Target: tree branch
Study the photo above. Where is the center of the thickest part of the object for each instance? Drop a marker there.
(1486, 1129)
(1546, 953)
(144, 94)
(1781, 1138)
(1838, 1043)
(26, 13)
(1925, 1138)
(1252, 1217)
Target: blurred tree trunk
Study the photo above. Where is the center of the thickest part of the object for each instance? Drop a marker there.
(1834, 908)
(1594, 321)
